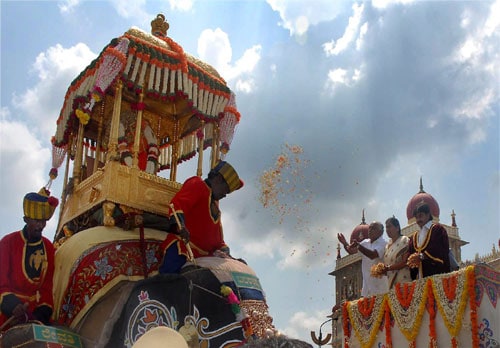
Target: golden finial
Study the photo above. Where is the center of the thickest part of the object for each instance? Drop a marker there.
(159, 26)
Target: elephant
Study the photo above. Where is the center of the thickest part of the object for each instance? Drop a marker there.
(108, 291)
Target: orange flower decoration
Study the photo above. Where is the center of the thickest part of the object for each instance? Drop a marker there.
(404, 293)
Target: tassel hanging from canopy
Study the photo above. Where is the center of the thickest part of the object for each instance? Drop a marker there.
(58, 155)
(227, 125)
(112, 64)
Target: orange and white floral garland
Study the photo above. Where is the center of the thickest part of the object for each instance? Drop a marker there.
(366, 314)
(346, 327)
(407, 304)
(450, 292)
(387, 325)
(431, 309)
(471, 285)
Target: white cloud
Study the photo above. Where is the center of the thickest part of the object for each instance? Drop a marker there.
(301, 25)
(304, 321)
(480, 39)
(341, 77)
(23, 160)
(362, 32)
(293, 256)
(249, 60)
(55, 68)
(22, 150)
(131, 8)
(181, 5)
(215, 48)
(493, 22)
(243, 69)
(68, 6)
(381, 4)
(469, 49)
(264, 247)
(245, 86)
(298, 16)
(473, 57)
(25, 143)
(357, 75)
(338, 76)
(476, 106)
(336, 47)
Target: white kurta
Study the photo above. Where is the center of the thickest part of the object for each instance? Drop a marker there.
(373, 285)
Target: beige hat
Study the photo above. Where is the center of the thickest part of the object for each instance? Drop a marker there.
(161, 337)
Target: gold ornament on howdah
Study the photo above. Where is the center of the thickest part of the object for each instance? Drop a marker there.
(159, 26)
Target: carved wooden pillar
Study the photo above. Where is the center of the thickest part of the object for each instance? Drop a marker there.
(215, 146)
(99, 138)
(115, 124)
(77, 168)
(175, 150)
(201, 141)
(137, 136)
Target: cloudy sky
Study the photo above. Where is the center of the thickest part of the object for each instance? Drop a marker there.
(363, 99)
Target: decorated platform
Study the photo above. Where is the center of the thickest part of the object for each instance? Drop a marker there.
(458, 309)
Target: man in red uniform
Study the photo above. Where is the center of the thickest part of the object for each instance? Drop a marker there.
(428, 247)
(197, 207)
(27, 264)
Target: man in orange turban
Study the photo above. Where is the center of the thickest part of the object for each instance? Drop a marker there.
(27, 265)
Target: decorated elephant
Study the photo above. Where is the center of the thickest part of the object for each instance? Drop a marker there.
(108, 290)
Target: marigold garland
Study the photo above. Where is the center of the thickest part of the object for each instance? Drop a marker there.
(450, 287)
(446, 293)
(345, 325)
(451, 308)
(366, 328)
(82, 116)
(431, 308)
(176, 53)
(387, 326)
(471, 289)
(405, 295)
(408, 307)
(365, 306)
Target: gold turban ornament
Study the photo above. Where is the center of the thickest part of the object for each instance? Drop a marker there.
(39, 206)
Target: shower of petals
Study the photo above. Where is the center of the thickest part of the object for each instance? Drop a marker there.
(284, 187)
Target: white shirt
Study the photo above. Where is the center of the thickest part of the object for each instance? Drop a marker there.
(373, 285)
(422, 234)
